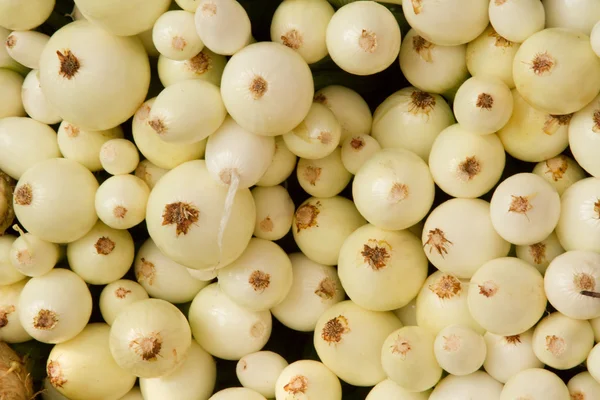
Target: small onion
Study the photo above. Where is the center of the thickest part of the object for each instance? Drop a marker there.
(26, 47)
(18, 15)
(580, 15)
(119, 156)
(12, 104)
(356, 150)
(6, 61)
(223, 25)
(149, 173)
(541, 254)
(35, 102)
(535, 383)
(121, 201)
(508, 355)
(583, 386)
(560, 171)
(117, 295)
(8, 273)
(11, 330)
(205, 65)
(577, 227)
(459, 350)
(388, 389)
(517, 20)
(325, 177)
(259, 371)
(274, 212)
(174, 35)
(308, 378)
(466, 387)
(281, 167)
(583, 137)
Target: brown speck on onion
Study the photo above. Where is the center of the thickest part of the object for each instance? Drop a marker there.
(147, 347)
(24, 195)
(178, 43)
(209, 9)
(297, 385)
(55, 374)
(557, 167)
(555, 345)
(320, 98)
(326, 289)
(145, 271)
(292, 39)
(488, 289)
(4, 313)
(266, 225)
(182, 215)
(45, 320)
(306, 216)
(584, 281)
(258, 87)
(158, 125)
(596, 119)
(468, 169)
(257, 330)
(514, 339)
(259, 280)
(73, 131)
(538, 252)
(401, 347)
(542, 64)
(121, 292)
(422, 47)
(104, 246)
(421, 102)
(335, 329)
(200, 63)
(119, 212)
(357, 143)
(367, 41)
(398, 192)
(451, 343)
(484, 101)
(446, 287)
(11, 41)
(436, 240)
(376, 253)
(312, 174)
(69, 64)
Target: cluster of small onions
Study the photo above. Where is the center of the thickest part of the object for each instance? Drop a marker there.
(233, 121)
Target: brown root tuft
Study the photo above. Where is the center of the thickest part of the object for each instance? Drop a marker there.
(259, 280)
(209, 9)
(555, 345)
(542, 63)
(376, 253)
(178, 43)
(104, 246)
(24, 257)
(158, 125)
(121, 292)
(421, 102)
(266, 225)
(367, 41)
(484, 101)
(312, 174)
(398, 192)
(11, 41)
(16, 382)
(596, 119)
(45, 320)
(182, 215)
(446, 287)
(306, 216)
(145, 271)
(357, 143)
(417, 6)
(24, 195)
(436, 240)
(500, 41)
(320, 98)
(200, 63)
(325, 137)
(452, 343)
(520, 205)
(468, 169)
(334, 329)
(584, 281)
(257, 330)
(147, 347)
(119, 212)
(71, 130)
(4, 313)
(401, 347)
(326, 289)
(538, 252)
(488, 289)
(258, 87)
(55, 374)
(514, 339)
(69, 64)
(557, 167)
(553, 122)
(423, 48)
(292, 39)
(297, 385)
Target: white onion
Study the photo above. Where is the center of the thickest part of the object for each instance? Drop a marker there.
(6, 61)
(174, 35)
(578, 227)
(163, 278)
(442, 302)
(583, 137)
(561, 172)
(356, 150)
(25, 142)
(149, 173)
(315, 288)
(348, 336)
(430, 67)
(20, 15)
(408, 313)
(55, 307)
(562, 342)
(274, 212)
(317, 136)
(554, 89)
(309, 379)
(580, 15)
(388, 389)
(117, 295)
(517, 20)
(466, 387)
(325, 177)
(223, 25)
(491, 55)
(459, 350)
(508, 355)
(187, 5)
(34, 101)
(583, 386)
(187, 112)
(119, 156)
(71, 364)
(205, 65)
(447, 23)
(320, 227)
(464, 164)
(281, 167)
(11, 330)
(11, 104)
(525, 209)
(531, 135)
(150, 338)
(33, 256)
(411, 119)
(593, 362)
(115, 69)
(194, 379)
(121, 201)
(241, 333)
(301, 25)
(25, 47)
(408, 358)
(537, 384)
(54, 200)
(8, 273)
(236, 394)
(595, 39)
(381, 270)
(259, 371)
(350, 109)
(458, 237)
(498, 291)
(183, 216)
(267, 88)
(541, 254)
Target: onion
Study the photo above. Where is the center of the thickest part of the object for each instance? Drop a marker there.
(236, 394)
(562, 342)
(552, 89)
(33, 256)
(163, 278)
(356, 150)
(317, 136)
(183, 216)
(491, 55)
(11, 104)
(411, 119)
(363, 38)
(223, 26)
(388, 389)
(464, 164)
(194, 379)
(407, 356)
(281, 167)
(321, 225)
(301, 26)
(11, 330)
(71, 364)
(498, 291)
(315, 288)
(259, 371)
(517, 20)
(205, 65)
(84, 146)
(430, 67)
(508, 355)
(114, 69)
(381, 270)
(163, 154)
(174, 35)
(325, 177)
(595, 39)
(203, 275)
(8, 273)
(150, 338)
(34, 101)
(448, 23)
(350, 109)
(146, 39)
(149, 173)
(560, 171)
(123, 19)
(531, 135)
(187, 5)
(583, 137)
(54, 200)
(187, 112)
(442, 302)
(6, 61)
(458, 237)
(541, 254)
(459, 350)
(117, 295)
(25, 142)
(241, 333)
(308, 378)
(274, 212)
(119, 156)
(25, 47)
(349, 339)
(267, 88)
(121, 201)
(408, 313)
(583, 386)
(21, 16)
(535, 383)
(49, 392)
(578, 227)
(593, 362)
(55, 307)
(580, 15)
(467, 386)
